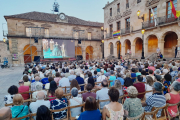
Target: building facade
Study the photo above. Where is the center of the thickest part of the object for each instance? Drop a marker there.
(161, 27)
(23, 28)
(5, 53)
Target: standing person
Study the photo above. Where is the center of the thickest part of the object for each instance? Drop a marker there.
(158, 50)
(176, 50)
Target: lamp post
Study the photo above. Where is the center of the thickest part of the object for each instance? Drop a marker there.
(142, 31)
(4, 39)
(102, 49)
(119, 37)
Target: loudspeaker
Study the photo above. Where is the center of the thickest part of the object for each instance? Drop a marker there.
(79, 41)
(79, 57)
(37, 58)
(36, 40)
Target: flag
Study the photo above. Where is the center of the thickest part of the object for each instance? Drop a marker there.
(174, 10)
(177, 13)
(155, 19)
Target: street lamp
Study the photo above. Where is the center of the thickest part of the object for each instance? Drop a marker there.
(4, 39)
(143, 31)
(138, 14)
(102, 28)
(102, 48)
(119, 37)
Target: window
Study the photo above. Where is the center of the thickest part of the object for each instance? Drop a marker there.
(118, 7)
(127, 4)
(128, 23)
(151, 18)
(138, 1)
(28, 32)
(118, 25)
(111, 29)
(110, 11)
(89, 36)
(76, 35)
(46, 32)
(169, 13)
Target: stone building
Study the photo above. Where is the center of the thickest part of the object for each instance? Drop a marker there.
(4, 52)
(161, 27)
(23, 28)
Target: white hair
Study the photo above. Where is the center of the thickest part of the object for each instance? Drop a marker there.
(72, 72)
(78, 74)
(62, 74)
(39, 86)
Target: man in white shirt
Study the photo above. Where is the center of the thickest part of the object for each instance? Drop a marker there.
(101, 76)
(64, 82)
(40, 101)
(72, 76)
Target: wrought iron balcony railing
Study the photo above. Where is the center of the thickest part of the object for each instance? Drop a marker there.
(118, 10)
(127, 5)
(48, 36)
(126, 31)
(109, 35)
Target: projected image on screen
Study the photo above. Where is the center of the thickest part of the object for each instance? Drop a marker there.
(55, 48)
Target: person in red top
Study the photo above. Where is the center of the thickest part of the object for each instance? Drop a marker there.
(140, 86)
(173, 98)
(89, 87)
(151, 67)
(22, 89)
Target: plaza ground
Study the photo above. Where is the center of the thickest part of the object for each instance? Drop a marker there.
(8, 77)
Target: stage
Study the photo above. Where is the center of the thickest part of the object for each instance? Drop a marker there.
(58, 60)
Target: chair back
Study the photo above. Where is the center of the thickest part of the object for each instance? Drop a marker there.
(59, 110)
(99, 101)
(163, 112)
(70, 107)
(178, 113)
(139, 117)
(27, 116)
(150, 115)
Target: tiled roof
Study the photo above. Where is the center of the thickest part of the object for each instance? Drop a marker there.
(52, 18)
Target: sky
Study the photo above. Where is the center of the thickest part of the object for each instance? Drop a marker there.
(84, 9)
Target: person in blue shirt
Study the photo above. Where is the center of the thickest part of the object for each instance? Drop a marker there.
(112, 78)
(133, 75)
(80, 80)
(45, 80)
(91, 112)
(119, 78)
(98, 69)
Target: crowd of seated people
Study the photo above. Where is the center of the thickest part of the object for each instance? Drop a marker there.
(107, 89)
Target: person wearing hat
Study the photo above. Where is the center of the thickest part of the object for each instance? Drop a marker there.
(157, 99)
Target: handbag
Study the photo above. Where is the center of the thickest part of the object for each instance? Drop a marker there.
(20, 112)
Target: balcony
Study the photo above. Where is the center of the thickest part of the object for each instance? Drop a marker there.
(161, 21)
(109, 35)
(48, 36)
(126, 31)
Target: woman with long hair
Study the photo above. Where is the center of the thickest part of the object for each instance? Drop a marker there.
(75, 84)
(43, 113)
(51, 91)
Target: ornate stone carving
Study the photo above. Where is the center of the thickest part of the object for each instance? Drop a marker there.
(89, 29)
(151, 2)
(127, 12)
(58, 19)
(28, 24)
(46, 25)
(117, 17)
(110, 20)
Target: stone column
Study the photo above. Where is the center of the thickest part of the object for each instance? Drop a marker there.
(123, 50)
(84, 53)
(115, 51)
(145, 49)
(133, 50)
(161, 46)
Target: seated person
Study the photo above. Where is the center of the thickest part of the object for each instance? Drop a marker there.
(39, 87)
(19, 110)
(173, 98)
(89, 87)
(44, 81)
(26, 81)
(91, 110)
(8, 99)
(5, 113)
(33, 85)
(132, 105)
(59, 103)
(43, 113)
(51, 91)
(114, 110)
(48, 84)
(40, 101)
(140, 86)
(22, 89)
(156, 100)
(75, 101)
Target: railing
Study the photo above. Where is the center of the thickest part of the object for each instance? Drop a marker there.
(138, 1)
(160, 21)
(109, 35)
(111, 14)
(166, 19)
(48, 36)
(126, 31)
(127, 5)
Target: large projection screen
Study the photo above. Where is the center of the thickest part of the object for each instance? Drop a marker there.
(54, 48)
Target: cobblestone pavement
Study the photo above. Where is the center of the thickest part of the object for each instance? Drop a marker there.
(8, 77)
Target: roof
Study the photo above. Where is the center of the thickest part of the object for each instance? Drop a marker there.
(40, 16)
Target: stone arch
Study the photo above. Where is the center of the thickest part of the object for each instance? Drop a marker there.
(27, 53)
(152, 43)
(138, 43)
(170, 41)
(111, 48)
(89, 53)
(118, 47)
(127, 44)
